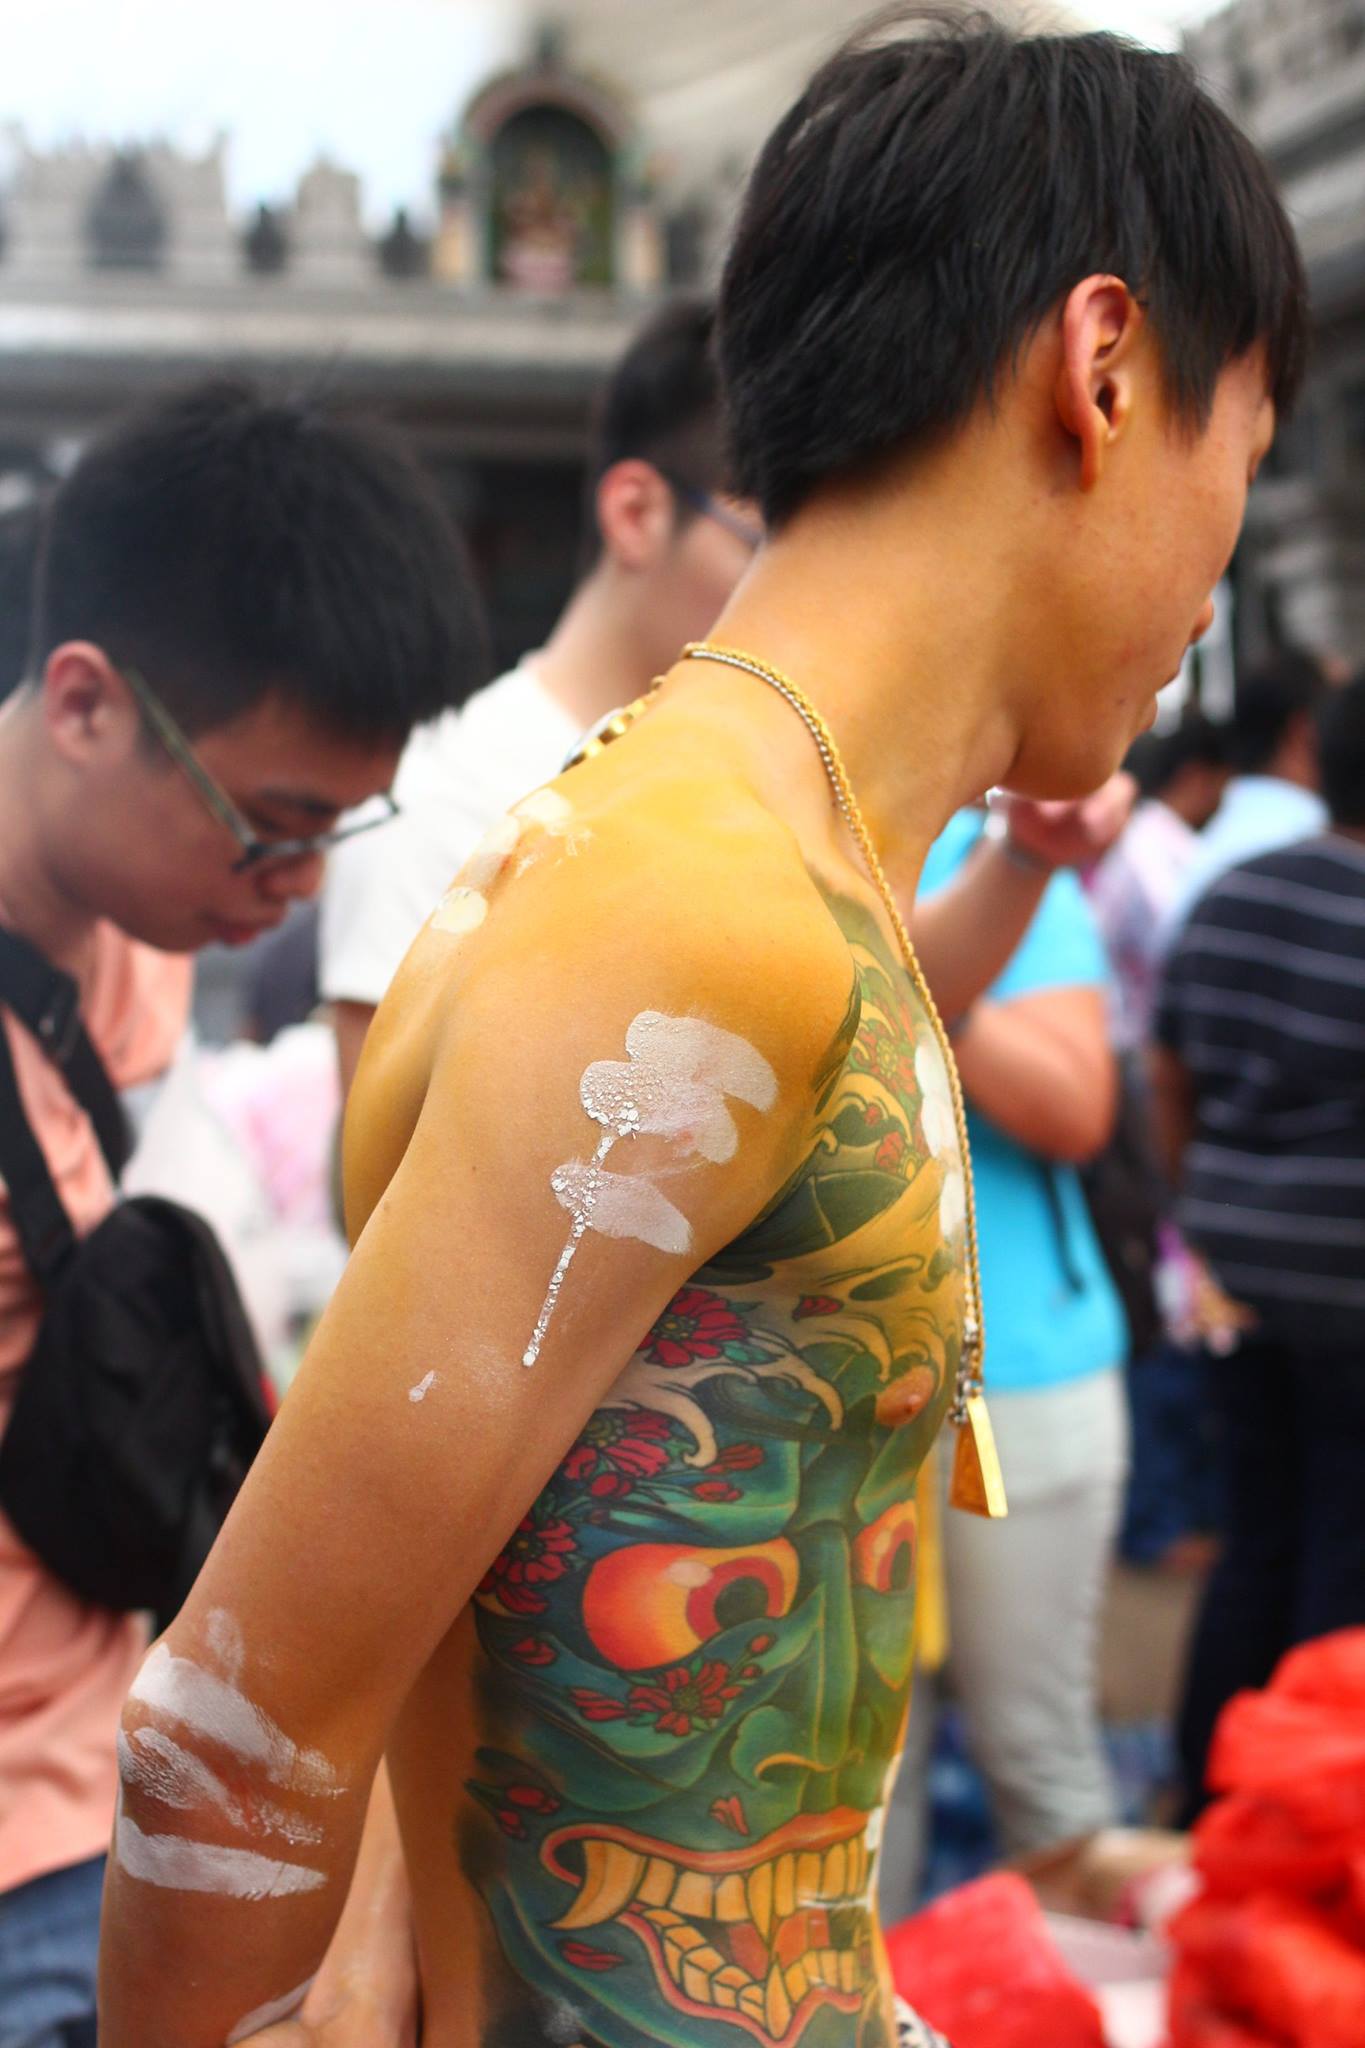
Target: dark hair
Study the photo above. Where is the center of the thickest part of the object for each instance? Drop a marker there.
(20, 528)
(1269, 699)
(228, 545)
(661, 404)
(1341, 744)
(930, 199)
(1157, 758)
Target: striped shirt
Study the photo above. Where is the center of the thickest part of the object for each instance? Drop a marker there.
(1264, 1002)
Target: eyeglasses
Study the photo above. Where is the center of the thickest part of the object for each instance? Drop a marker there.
(712, 507)
(215, 799)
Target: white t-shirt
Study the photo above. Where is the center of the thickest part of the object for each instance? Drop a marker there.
(458, 776)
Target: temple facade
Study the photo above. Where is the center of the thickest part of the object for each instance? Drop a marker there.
(1293, 73)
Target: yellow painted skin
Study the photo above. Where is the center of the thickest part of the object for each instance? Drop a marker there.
(633, 1627)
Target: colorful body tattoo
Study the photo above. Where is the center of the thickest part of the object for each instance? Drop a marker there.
(696, 1650)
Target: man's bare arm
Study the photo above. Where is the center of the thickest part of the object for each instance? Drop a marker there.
(1041, 1069)
(350, 1022)
(415, 1438)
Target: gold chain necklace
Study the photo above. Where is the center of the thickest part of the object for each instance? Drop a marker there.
(978, 1485)
(977, 1482)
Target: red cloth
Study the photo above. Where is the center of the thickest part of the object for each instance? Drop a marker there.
(1273, 1952)
(981, 1966)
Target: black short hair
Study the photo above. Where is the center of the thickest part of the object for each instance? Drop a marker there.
(1269, 698)
(661, 404)
(933, 195)
(229, 545)
(1341, 740)
(20, 528)
(1157, 758)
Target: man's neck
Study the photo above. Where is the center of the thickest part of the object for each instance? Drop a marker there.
(921, 734)
(596, 659)
(32, 901)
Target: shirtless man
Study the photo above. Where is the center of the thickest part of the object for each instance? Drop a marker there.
(1004, 330)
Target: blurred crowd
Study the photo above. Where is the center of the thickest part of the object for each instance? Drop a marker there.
(1165, 1103)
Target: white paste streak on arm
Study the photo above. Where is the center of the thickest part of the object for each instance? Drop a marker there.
(267, 2015)
(180, 1865)
(211, 1707)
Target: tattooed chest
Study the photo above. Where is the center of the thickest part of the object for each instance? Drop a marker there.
(698, 1643)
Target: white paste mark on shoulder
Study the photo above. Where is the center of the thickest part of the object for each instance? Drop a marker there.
(673, 1085)
(423, 1388)
(211, 1707)
(492, 853)
(459, 911)
(623, 1205)
(266, 2015)
(178, 1865)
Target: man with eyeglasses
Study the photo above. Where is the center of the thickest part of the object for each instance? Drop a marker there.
(242, 610)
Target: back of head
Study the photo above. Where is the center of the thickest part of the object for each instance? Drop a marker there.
(933, 196)
(229, 546)
(1155, 760)
(661, 404)
(1341, 734)
(1270, 699)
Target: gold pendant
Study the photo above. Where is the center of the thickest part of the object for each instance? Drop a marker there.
(978, 1486)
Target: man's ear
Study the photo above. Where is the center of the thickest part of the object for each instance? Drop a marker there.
(87, 706)
(636, 513)
(1101, 325)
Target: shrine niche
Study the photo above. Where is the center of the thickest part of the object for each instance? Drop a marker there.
(541, 190)
(126, 224)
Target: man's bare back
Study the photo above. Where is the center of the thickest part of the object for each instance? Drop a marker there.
(640, 1781)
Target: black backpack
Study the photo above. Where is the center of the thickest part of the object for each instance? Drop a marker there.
(142, 1403)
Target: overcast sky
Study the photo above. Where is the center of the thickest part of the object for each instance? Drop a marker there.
(370, 82)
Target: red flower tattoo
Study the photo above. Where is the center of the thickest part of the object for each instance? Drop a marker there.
(715, 1489)
(537, 1555)
(584, 1957)
(597, 1706)
(891, 1151)
(815, 1305)
(534, 1798)
(685, 1698)
(695, 1325)
(876, 1050)
(618, 1448)
(738, 1458)
(511, 1822)
(534, 1650)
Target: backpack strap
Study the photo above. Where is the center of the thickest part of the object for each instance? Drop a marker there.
(47, 1001)
(40, 1221)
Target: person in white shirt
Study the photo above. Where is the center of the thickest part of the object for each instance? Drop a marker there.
(1181, 777)
(669, 547)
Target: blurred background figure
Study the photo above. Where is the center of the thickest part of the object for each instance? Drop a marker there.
(1259, 1077)
(665, 547)
(1181, 777)
(1272, 796)
(1024, 1596)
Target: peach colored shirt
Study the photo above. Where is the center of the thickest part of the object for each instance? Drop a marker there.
(65, 1667)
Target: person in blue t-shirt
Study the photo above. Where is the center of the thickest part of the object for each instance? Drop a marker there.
(1024, 1595)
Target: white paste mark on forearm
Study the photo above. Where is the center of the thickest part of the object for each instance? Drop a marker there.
(267, 2015)
(423, 1387)
(175, 1864)
(214, 1709)
(156, 1765)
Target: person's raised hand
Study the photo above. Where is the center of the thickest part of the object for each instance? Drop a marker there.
(1068, 835)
